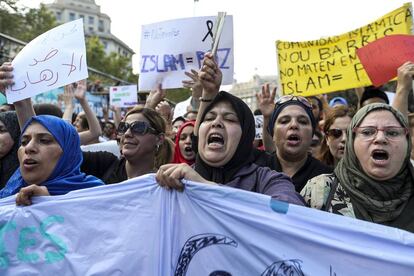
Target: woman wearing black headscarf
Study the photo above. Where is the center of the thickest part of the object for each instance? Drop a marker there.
(9, 144)
(225, 145)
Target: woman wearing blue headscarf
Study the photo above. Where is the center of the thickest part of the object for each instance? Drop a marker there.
(49, 157)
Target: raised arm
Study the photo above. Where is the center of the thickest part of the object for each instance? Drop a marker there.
(94, 127)
(155, 97)
(68, 100)
(24, 108)
(404, 87)
(210, 77)
(266, 104)
(196, 88)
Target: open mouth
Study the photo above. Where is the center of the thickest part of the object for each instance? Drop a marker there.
(215, 138)
(380, 155)
(294, 138)
(29, 163)
(188, 149)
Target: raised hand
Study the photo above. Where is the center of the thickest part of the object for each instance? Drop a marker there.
(210, 77)
(6, 76)
(266, 100)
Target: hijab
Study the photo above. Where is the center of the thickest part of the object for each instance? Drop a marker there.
(9, 163)
(373, 200)
(66, 175)
(244, 153)
(178, 157)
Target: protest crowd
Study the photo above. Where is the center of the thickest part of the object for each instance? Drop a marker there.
(349, 160)
(363, 168)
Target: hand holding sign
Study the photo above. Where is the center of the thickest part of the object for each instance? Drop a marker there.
(6, 76)
(405, 76)
(210, 76)
(51, 60)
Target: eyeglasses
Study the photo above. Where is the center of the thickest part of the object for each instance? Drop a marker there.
(137, 127)
(288, 98)
(335, 133)
(391, 133)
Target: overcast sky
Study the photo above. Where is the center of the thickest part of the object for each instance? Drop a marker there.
(257, 24)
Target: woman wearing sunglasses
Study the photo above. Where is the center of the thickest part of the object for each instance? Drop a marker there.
(333, 144)
(292, 125)
(374, 179)
(143, 145)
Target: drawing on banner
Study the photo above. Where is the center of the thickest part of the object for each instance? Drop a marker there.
(170, 48)
(52, 60)
(331, 64)
(286, 267)
(195, 244)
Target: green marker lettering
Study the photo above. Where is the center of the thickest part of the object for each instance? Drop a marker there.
(53, 256)
(24, 243)
(4, 261)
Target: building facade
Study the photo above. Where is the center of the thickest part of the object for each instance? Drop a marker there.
(95, 23)
(247, 90)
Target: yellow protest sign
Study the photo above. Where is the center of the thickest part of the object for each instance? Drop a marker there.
(330, 64)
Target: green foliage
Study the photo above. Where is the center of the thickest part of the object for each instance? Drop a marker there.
(178, 94)
(112, 64)
(24, 24)
(36, 22)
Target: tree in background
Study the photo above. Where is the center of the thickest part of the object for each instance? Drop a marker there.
(113, 64)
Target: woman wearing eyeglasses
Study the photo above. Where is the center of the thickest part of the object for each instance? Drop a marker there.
(333, 144)
(143, 145)
(374, 179)
(291, 124)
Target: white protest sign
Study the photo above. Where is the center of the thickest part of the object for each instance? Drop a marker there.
(123, 96)
(51, 60)
(170, 48)
(258, 120)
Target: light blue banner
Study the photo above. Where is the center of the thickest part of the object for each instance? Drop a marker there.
(138, 228)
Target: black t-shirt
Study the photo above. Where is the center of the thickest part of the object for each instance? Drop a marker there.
(312, 167)
(105, 166)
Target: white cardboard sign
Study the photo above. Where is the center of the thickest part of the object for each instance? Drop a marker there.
(123, 96)
(51, 60)
(170, 48)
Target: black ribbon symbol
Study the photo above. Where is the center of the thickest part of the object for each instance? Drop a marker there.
(209, 24)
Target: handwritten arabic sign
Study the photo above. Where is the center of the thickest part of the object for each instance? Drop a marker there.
(170, 48)
(331, 64)
(51, 60)
(205, 230)
(382, 57)
(123, 96)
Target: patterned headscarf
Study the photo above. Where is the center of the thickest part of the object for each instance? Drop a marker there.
(376, 201)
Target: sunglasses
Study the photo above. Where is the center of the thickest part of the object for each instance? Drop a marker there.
(289, 98)
(137, 127)
(335, 133)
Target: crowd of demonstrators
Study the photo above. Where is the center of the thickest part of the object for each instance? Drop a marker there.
(313, 153)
